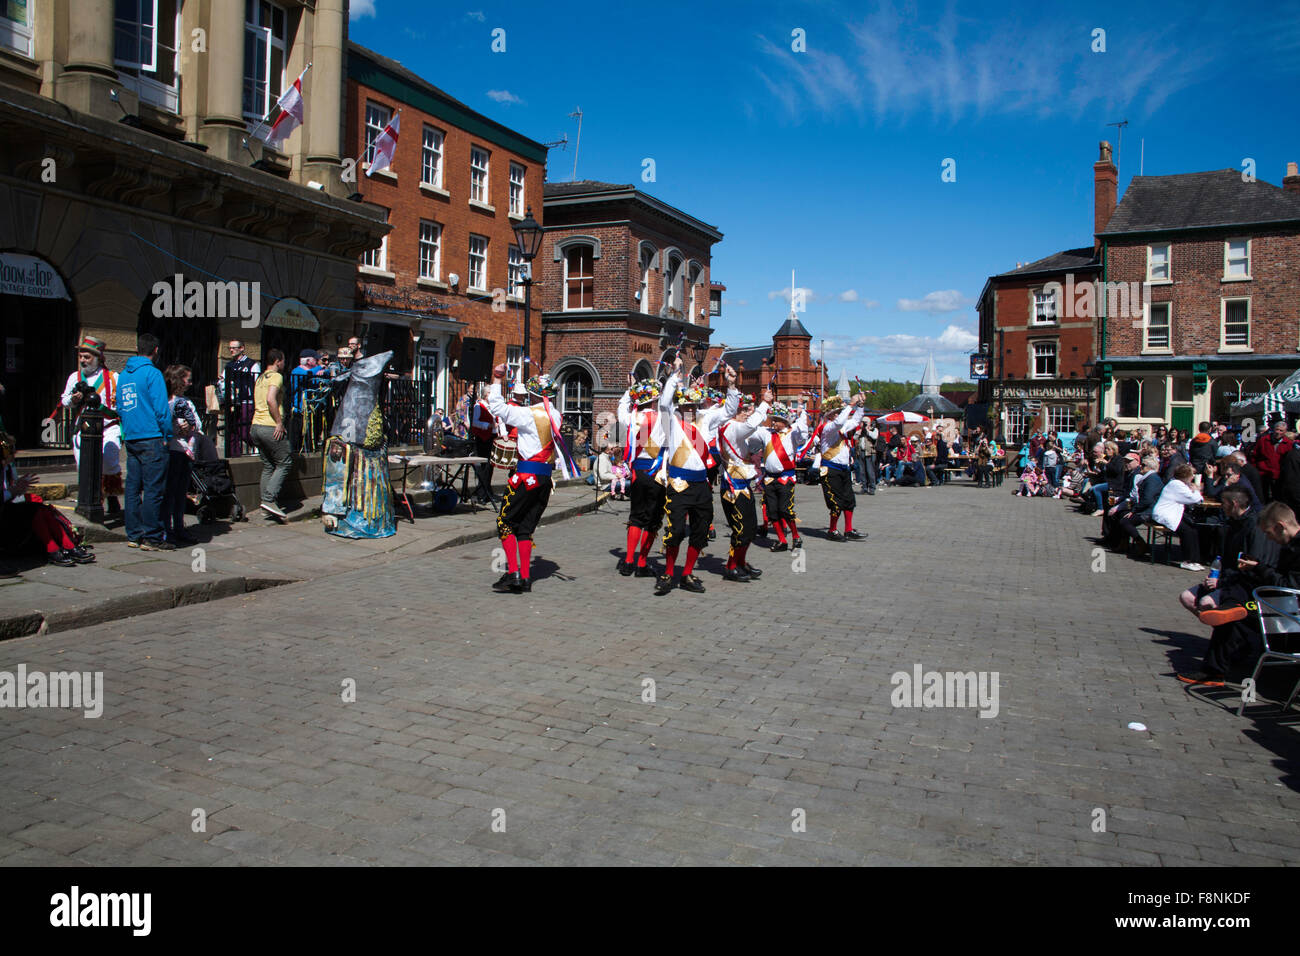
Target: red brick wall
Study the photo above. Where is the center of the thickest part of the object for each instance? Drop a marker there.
(1013, 350)
(408, 204)
(1197, 291)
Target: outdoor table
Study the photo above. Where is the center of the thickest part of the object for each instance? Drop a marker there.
(453, 470)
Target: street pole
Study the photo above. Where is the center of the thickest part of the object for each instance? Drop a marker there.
(528, 315)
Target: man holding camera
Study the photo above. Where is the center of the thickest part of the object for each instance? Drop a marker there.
(93, 377)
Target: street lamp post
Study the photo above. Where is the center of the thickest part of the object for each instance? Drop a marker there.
(528, 237)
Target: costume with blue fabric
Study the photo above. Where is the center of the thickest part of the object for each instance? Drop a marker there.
(358, 500)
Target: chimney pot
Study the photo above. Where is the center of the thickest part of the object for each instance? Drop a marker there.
(1291, 183)
(1105, 179)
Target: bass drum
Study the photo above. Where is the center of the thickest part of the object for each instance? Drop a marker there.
(504, 453)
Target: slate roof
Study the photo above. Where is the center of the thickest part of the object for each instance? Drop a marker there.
(793, 327)
(1199, 201)
(583, 186)
(1069, 260)
(752, 356)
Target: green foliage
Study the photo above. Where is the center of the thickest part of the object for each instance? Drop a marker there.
(890, 394)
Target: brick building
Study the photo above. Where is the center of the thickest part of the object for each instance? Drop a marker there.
(458, 184)
(1220, 260)
(786, 365)
(622, 278)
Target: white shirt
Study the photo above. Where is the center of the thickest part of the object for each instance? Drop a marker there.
(1169, 509)
(645, 442)
(733, 441)
(681, 451)
(791, 441)
(520, 418)
(831, 444)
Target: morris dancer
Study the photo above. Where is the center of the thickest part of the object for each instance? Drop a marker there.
(737, 476)
(529, 487)
(94, 373)
(688, 496)
(645, 438)
(709, 420)
(838, 420)
(780, 442)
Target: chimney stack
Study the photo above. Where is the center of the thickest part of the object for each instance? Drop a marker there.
(1291, 182)
(1105, 178)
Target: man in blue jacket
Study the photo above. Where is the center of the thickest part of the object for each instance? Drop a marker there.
(146, 429)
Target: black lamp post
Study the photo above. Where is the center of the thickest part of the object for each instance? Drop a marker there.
(528, 237)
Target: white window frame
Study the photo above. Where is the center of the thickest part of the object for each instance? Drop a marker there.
(1018, 419)
(1169, 263)
(514, 360)
(647, 266)
(1227, 260)
(16, 37)
(1148, 308)
(1056, 356)
(430, 250)
(482, 256)
(150, 90)
(517, 189)
(1059, 418)
(672, 291)
(272, 43)
(591, 256)
(479, 176)
(1052, 314)
(515, 272)
(432, 156)
(376, 260)
(1223, 325)
(372, 132)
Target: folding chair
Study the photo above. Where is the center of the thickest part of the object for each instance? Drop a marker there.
(1279, 619)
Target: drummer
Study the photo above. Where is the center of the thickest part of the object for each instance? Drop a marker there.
(483, 429)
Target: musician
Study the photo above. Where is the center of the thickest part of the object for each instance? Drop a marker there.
(483, 429)
(537, 429)
(832, 449)
(684, 472)
(93, 373)
(780, 443)
(737, 474)
(645, 438)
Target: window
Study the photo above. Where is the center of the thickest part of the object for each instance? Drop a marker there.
(1044, 307)
(673, 284)
(1153, 398)
(1158, 326)
(1236, 259)
(1060, 418)
(575, 400)
(1158, 263)
(1236, 324)
(478, 175)
(144, 48)
(430, 249)
(516, 189)
(16, 26)
(1044, 360)
(694, 280)
(377, 117)
(514, 359)
(1018, 418)
(266, 32)
(579, 280)
(431, 158)
(515, 272)
(478, 262)
(1129, 394)
(715, 302)
(647, 263)
(377, 258)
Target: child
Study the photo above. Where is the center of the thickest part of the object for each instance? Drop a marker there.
(621, 474)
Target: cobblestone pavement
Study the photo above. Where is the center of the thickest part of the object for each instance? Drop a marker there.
(770, 698)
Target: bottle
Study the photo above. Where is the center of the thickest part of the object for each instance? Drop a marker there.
(1214, 571)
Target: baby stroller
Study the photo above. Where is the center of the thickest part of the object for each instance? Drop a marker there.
(210, 482)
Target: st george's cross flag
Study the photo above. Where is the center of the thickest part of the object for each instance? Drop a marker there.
(385, 146)
(290, 118)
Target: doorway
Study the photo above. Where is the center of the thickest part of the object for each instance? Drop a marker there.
(40, 336)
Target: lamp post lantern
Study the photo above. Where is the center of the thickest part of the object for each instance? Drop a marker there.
(528, 237)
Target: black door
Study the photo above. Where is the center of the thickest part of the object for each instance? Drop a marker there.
(39, 342)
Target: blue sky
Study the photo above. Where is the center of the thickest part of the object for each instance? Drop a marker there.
(828, 160)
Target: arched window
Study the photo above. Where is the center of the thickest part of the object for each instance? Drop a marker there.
(579, 278)
(694, 273)
(647, 266)
(643, 370)
(673, 283)
(575, 400)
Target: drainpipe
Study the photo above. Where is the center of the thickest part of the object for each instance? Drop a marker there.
(1105, 274)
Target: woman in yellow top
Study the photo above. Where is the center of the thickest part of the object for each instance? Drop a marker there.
(267, 432)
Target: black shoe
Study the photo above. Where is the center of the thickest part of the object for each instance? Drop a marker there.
(781, 546)
(854, 535)
(507, 583)
(1203, 678)
(761, 532)
(663, 584)
(81, 555)
(832, 536)
(185, 537)
(114, 509)
(62, 558)
(797, 543)
(735, 574)
(690, 582)
(523, 585)
(752, 571)
(625, 569)
(147, 545)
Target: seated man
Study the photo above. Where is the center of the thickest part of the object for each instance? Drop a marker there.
(1243, 539)
(1237, 642)
(1149, 486)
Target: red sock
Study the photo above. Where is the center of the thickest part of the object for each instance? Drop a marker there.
(525, 558)
(670, 558)
(848, 521)
(647, 539)
(731, 558)
(511, 544)
(779, 525)
(633, 539)
(835, 520)
(740, 555)
(691, 555)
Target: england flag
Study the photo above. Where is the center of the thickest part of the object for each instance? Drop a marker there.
(290, 118)
(385, 146)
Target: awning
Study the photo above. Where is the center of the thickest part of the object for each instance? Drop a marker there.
(1281, 400)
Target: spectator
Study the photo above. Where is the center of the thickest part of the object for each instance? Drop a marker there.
(235, 385)
(1051, 460)
(1149, 487)
(1267, 456)
(1110, 527)
(983, 464)
(25, 517)
(1112, 469)
(1170, 511)
(1249, 471)
(146, 429)
(1204, 449)
(941, 459)
(185, 425)
(1170, 459)
(268, 435)
(1232, 475)
(354, 346)
(1287, 488)
(1242, 538)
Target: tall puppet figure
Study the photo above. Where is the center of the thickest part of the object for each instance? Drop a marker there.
(528, 488)
(358, 499)
(93, 374)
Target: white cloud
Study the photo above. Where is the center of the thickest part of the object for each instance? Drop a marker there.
(871, 304)
(907, 352)
(948, 300)
(503, 96)
(950, 379)
(361, 8)
(476, 15)
(849, 295)
(808, 294)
